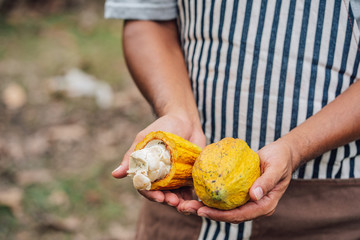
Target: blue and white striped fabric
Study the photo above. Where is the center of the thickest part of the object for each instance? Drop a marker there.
(259, 68)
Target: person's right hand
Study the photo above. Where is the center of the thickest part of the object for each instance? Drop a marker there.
(176, 125)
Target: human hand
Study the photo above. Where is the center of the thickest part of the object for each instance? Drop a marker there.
(276, 162)
(168, 123)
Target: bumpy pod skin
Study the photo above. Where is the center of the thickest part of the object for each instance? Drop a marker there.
(224, 172)
(183, 155)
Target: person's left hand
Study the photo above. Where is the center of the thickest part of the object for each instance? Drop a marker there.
(276, 164)
(184, 197)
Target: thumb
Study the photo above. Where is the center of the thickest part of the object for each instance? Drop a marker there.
(121, 171)
(198, 138)
(265, 183)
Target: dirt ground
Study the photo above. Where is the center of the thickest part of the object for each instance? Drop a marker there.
(59, 144)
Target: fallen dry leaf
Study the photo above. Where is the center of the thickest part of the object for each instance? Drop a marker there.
(36, 145)
(14, 96)
(12, 198)
(93, 197)
(119, 232)
(33, 176)
(50, 222)
(13, 147)
(67, 133)
(128, 97)
(59, 198)
(25, 235)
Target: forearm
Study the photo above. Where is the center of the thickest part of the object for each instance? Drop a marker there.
(336, 124)
(156, 63)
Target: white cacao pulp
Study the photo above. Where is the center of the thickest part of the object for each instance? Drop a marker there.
(149, 164)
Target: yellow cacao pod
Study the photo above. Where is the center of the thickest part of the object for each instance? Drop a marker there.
(224, 172)
(183, 154)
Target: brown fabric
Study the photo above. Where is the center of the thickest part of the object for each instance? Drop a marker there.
(157, 221)
(314, 209)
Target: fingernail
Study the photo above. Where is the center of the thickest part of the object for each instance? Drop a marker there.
(258, 192)
(118, 168)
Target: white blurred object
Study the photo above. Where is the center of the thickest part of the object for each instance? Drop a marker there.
(14, 96)
(76, 83)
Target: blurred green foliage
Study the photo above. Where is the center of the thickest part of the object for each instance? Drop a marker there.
(8, 223)
(56, 43)
(33, 48)
(89, 195)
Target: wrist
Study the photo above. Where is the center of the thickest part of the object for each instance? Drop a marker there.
(186, 116)
(293, 145)
(185, 110)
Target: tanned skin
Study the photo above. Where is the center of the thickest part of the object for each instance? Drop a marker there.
(154, 57)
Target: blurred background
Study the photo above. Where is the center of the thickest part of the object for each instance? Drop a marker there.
(68, 112)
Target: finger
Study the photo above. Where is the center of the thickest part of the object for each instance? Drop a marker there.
(156, 196)
(121, 171)
(230, 216)
(179, 195)
(171, 198)
(266, 182)
(181, 199)
(189, 206)
(198, 138)
(251, 210)
(218, 215)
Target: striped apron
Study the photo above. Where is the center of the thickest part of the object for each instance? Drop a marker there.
(260, 68)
